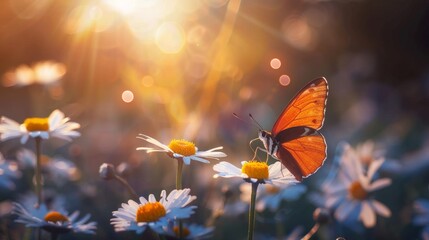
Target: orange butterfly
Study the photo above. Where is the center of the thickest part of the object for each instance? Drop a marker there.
(294, 139)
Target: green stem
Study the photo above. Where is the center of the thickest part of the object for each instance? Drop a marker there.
(38, 172)
(312, 231)
(252, 211)
(179, 174)
(127, 186)
(178, 187)
(155, 234)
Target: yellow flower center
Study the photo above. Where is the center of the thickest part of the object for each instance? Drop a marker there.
(54, 216)
(185, 231)
(271, 189)
(254, 169)
(357, 191)
(182, 147)
(36, 124)
(150, 212)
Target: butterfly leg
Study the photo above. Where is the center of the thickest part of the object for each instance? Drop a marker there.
(250, 143)
(256, 151)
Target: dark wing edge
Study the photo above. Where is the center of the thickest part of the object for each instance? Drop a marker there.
(316, 81)
(309, 142)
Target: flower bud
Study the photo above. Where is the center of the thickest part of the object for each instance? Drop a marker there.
(107, 171)
(321, 215)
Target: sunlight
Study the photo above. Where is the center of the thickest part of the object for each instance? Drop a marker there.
(170, 38)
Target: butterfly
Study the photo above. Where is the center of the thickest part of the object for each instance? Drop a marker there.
(294, 138)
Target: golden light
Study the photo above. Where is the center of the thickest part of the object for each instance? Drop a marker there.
(147, 17)
(121, 6)
(48, 72)
(245, 93)
(297, 32)
(284, 80)
(147, 81)
(21, 76)
(127, 96)
(86, 17)
(216, 3)
(28, 9)
(170, 38)
(275, 63)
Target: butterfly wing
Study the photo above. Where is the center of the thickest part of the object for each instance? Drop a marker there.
(302, 150)
(307, 108)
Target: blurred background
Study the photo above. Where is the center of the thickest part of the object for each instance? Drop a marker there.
(180, 69)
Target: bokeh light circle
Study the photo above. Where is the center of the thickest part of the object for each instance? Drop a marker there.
(127, 96)
(170, 38)
(275, 63)
(284, 80)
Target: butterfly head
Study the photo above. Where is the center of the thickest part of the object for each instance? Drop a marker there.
(264, 136)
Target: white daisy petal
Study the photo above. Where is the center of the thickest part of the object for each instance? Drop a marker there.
(378, 184)
(154, 142)
(380, 208)
(36, 218)
(344, 210)
(374, 166)
(367, 215)
(226, 169)
(175, 204)
(59, 127)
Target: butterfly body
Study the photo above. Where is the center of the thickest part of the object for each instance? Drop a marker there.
(294, 139)
(271, 144)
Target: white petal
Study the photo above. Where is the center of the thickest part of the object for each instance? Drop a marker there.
(367, 215)
(186, 160)
(154, 142)
(152, 198)
(380, 208)
(344, 210)
(226, 169)
(195, 158)
(373, 167)
(378, 184)
(55, 119)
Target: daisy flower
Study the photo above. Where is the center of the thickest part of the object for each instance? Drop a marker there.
(421, 207)
(270, 196)
(350, 194)
(154, 214)
(189, 231)
(54, 221)
(8, 172)
(56, 125)
(182, 149)
(56, 168)
(256, 172)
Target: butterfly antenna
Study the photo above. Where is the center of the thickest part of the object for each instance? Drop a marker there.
(257, 124)
(247, 122)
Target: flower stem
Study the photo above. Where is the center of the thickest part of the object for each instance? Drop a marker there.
(154, 234)
(38, 172)
(127, 186)
(179, 186)
(179, 174)
(252, 211)
(312, 231)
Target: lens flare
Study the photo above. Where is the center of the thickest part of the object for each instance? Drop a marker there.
(284, 80)
(275, 63)
(170, 38)
(127, 96)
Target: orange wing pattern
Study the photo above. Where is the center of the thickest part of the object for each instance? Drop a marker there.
(303, 156)
(307, 108)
